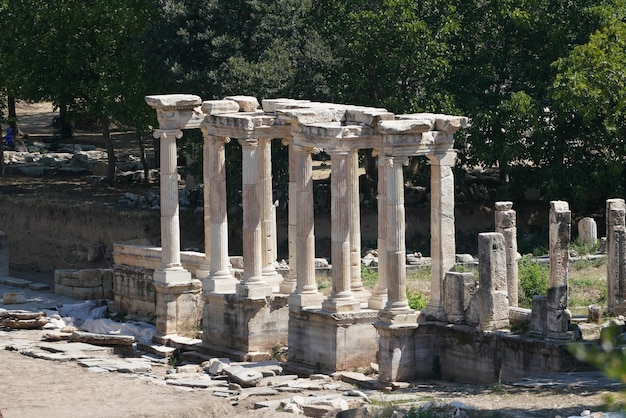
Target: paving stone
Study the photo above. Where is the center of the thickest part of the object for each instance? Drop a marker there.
(39, 286)
(77, 347)
(15, 282)
(202, 383)
(277, 380)
(118, 364)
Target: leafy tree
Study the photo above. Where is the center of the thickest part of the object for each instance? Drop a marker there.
(83, 56)
(590, 103)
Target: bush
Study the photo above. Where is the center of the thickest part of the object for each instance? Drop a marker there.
(534, 279)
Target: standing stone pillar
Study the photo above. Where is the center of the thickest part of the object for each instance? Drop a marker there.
(306, 294)
(378, 300)
(442, 240)
(356, 285)
(507, 226)
(397, 309)
(616, 255)
(220, 278)
(253, 285)
(587, 231)
(202, 272)
(268, 215)
(177, 293)
(556, 300)
(288, 285)
(493, 304)
(341, 299)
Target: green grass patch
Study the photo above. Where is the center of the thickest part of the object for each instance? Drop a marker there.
(534, 279)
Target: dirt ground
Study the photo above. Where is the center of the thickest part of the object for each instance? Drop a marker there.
(38, 388)
(32, 388)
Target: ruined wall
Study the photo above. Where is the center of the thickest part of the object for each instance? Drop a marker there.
(45, 236)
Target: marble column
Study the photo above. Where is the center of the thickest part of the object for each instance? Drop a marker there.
(506, 224)
(288, 285)
(556, 300)
(397, 310)
(616, 255)
(341, 298)
(253, 285)
(356, 285)
(305, 294)
(378, 300)
(442, 240)
(268, 215)
(170, 227)
(220, 278)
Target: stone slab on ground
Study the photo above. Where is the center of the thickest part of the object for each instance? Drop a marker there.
(15, 282)
(121, 365)
(569, 380)
(198, 382)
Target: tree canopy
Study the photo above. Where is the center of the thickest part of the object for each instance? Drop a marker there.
(542, 80)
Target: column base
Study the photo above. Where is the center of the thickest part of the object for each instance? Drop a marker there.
(274, 279)
(377, 302)
(306, 300)
(220, 283)
(433, 312)
(341, 305)
(288, 286)
(404, 317)
(362, 296)
(178, 306)
(172, 276)
(203, 272)
(253, 291)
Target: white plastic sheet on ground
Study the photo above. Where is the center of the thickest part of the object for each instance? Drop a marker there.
(89, 316)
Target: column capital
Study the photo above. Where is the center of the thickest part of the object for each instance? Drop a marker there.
(167, 133)
(249, 142)
(445, 158)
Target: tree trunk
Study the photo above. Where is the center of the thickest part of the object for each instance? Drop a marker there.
(65, 128)
(13, 117)
(108, 141)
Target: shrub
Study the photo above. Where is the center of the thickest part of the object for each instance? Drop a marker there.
(534, 280)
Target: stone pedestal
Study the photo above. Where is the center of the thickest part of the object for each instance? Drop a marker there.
(587, 231)
(396, 353)
(493, 304)
(458, 291)
(506, 224)
(242, 328)
(323, 342)
(178, 303)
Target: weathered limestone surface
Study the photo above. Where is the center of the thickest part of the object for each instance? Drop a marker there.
(242, 327)
(587, 231)
(458, 291)
(320, 341)
(493, 304)
(84, 284)
(556, 301)
(506, 224)
(616, 255)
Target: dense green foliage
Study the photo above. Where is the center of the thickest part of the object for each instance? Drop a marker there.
(542, 80)
(534, 279)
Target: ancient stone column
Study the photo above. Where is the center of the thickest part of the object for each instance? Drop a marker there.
(507, 226)
(306, 294)
(253, 285)
(288, 285)
(268, 215)
(442, 243)
(616, 255)
(493, 304)
(587, 231)
(173, 283)
(397, 309)
(378, 300)
(202, 273)
(170, 227)
(556, 300)
(220, 278)
(356, 285)
(341, 298)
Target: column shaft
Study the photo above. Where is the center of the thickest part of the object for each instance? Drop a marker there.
(378, 300)
(341, 298)
(289, 284)
(442, 240)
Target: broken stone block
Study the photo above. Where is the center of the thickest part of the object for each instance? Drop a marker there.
(102, 339)
(13, 298)
(242, 376)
